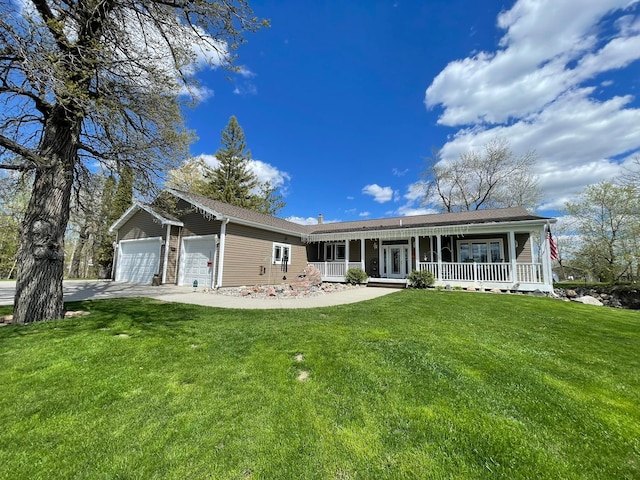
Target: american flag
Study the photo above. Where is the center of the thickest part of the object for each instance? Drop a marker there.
(553, 248)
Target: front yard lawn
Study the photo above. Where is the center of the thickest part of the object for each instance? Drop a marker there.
(417, 384)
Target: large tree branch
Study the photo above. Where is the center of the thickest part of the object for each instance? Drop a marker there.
(52, 23)
(40, 104)
(26, 153)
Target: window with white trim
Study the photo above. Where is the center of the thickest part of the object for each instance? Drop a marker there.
(481, 251)
(334, 251)
(281, 253)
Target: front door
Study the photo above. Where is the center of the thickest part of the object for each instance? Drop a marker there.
(395, 261)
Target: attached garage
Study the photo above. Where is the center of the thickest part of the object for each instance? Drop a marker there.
(197, 260)
(138, 260)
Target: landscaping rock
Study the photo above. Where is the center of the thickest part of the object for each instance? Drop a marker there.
(589, 300)
(310, 276)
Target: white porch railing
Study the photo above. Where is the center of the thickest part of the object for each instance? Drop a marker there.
(333, 270)
(452, 271)
(484, 272)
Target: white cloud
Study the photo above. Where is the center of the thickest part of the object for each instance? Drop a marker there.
(303, 220)
(379, 194)
(264, 171)
(535, 91)
(415, 191)
(399, 173)
(364, 214)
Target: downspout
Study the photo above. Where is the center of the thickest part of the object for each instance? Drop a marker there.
(167, 245)
(215, 262)
(223, 238)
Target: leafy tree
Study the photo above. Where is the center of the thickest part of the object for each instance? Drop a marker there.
(96, 82)
(492, 178)
(607, 220)
(268, 200)
(190, 176)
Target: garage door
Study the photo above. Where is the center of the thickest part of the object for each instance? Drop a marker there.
(138, 260)
(196, 260)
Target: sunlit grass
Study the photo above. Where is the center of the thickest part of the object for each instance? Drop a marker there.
(412, 385)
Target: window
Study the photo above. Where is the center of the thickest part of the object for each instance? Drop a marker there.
(281, 253)
(334, 251)
(481, 251)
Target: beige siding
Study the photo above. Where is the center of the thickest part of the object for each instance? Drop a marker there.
(195, 223)
(523, 250)
(174, 252)
(247, 249)
(141, 225)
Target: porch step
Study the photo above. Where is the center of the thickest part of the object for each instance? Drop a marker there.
(386, 283)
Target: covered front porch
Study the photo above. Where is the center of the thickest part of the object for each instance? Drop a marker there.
(462, 256)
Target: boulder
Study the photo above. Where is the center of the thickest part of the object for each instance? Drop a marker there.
(589, 300)
(312, 275)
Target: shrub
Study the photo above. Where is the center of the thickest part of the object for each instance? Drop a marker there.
(356, 276)
(421, 279)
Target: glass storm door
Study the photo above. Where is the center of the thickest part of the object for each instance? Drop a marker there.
(395, 261)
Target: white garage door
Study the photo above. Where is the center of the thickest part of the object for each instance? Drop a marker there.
(196, 260)
(138, 260)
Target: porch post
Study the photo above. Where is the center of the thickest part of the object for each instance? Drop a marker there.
(362, 266)
(380, 258)
(346, 256)
(512, 256)
(439, 247)
(545, 258)
(417, 249)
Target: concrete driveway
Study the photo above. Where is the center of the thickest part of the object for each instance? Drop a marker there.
(96, 289)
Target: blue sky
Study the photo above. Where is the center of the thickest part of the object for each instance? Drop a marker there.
(342, 101)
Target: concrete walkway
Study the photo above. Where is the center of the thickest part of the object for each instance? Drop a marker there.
(75, 290)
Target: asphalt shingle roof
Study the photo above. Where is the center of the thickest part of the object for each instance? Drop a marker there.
(512, 214)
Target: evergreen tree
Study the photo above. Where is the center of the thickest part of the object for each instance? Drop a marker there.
(232, 181)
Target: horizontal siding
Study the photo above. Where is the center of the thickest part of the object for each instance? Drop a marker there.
(174, 251)
(141, 225)
(247, 249)
(195, 223)
(524, 252)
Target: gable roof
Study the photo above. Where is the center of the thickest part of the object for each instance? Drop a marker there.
(244, 216)
(161, 217)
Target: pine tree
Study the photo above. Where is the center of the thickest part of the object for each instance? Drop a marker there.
(232, 181)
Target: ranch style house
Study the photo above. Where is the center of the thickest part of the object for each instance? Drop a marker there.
(221, 245)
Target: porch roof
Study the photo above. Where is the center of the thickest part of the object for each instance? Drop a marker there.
(458, 223)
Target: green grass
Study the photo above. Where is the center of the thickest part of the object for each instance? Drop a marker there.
(417, 384)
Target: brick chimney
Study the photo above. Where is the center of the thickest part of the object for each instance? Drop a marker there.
(320, 218)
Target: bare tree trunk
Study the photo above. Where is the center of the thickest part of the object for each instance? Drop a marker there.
(41, 252)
